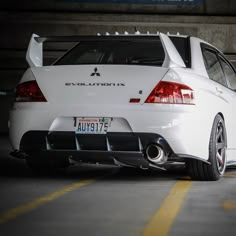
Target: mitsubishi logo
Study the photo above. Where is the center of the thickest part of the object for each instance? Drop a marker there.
(95, 73)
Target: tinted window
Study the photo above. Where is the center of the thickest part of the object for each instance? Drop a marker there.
(213, 67)
(229, 74)
(183, 47)
(115, 52)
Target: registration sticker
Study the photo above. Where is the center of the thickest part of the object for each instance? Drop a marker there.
(92, 125)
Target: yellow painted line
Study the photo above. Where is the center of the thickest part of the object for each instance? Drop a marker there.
(229, 205)
(27, 207)
(230, 175)
(186, 178)
(162, 221)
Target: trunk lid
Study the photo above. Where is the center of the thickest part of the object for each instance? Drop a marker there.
(97, 84)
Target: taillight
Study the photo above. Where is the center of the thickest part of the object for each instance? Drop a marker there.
(29, 92)
(171, 93)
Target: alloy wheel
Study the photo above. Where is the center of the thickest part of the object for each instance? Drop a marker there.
(220, 146)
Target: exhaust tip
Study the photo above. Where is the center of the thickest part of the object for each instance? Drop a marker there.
(156, 154)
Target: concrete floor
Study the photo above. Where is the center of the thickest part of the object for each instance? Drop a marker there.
(116, 202)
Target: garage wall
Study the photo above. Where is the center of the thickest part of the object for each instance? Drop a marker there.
(71, 17)
(190, 7)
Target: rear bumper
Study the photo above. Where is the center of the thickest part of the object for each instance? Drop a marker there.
(185, 129)
(112, 148)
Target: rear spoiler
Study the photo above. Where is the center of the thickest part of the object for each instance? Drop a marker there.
(172, 56)
(34, 54)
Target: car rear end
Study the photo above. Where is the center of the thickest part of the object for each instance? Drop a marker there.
(115, 100)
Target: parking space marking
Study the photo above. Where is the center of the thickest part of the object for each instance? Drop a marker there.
(27, 207)
(229, 205)
(230, 175)
(163, 219)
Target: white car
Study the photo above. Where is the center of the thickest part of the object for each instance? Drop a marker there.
(130, 100)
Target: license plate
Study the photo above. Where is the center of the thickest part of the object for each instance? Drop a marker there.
(93, 125)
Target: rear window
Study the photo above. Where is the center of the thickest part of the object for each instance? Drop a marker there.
(183, 47)
(148, 52)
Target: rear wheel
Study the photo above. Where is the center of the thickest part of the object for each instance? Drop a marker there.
(217, 155)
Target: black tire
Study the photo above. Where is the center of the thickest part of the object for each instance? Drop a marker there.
(199, 170)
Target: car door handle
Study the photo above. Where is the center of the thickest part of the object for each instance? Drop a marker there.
(219, 90)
